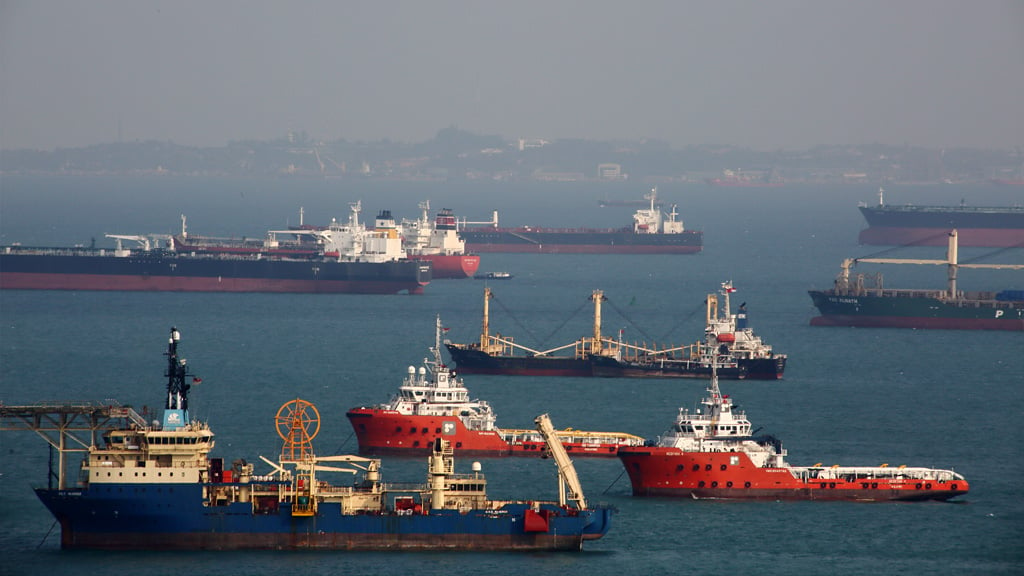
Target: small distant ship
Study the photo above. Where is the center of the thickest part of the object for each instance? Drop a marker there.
(155, 486)
(854, 302)
(1010, 178)
(653, 232)
(728, 343)
(714, 453)
(434, 403)
(336, 260)
(997, 226)
(749, 179)
(493, 276)
(438, 242)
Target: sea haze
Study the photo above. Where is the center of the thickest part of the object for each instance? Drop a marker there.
(946, 399)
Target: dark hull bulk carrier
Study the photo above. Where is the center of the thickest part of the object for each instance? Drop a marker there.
(653, 232)
(158, 270)
(853, 302)
(579, 241)
(728, 343)
(929, 225)
(154, 486)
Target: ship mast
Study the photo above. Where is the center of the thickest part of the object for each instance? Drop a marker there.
(484, 336)
(597, 297)
(176, 408)
(715, 403)
(437, 343)
(425, 219)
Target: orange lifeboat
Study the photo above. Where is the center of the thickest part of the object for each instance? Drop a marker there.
(726, 337)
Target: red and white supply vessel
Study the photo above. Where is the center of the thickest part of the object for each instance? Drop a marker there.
(712, 453)
(439, 242)
(433, 402)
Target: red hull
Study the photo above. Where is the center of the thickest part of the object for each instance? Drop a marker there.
(732, 475)
(918, 322)
(30, 281)
(982, 237)
(451, 266)
(581, 249)
(389, 432)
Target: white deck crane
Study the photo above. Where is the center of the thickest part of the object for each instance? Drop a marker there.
(566, 471)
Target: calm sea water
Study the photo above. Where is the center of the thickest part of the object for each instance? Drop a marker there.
(851, 396)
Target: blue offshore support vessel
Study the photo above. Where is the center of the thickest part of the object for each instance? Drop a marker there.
(155, 486)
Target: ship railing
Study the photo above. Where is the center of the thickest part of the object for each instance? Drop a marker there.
(403, 487)
(963, 299)
(854, 473)
(326, 489)
(516, 436)
(574, 231)
(75, 251)
(636, 352)
(506, 346)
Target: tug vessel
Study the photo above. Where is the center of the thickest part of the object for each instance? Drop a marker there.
(155, 486)
(713, 453)
(728, 343)
(434, 403)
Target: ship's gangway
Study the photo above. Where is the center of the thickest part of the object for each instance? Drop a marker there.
(68, 428)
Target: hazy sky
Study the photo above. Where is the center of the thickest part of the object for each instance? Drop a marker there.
(759, 73)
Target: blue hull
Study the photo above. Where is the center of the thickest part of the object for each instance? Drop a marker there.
(171, 516)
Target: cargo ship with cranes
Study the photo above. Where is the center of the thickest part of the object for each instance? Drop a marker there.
(434, 403)
(652, 232)
(995, 226)
(714, 453)
(728, 342)
(155, 486)
(857, 301)
(340, 259)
